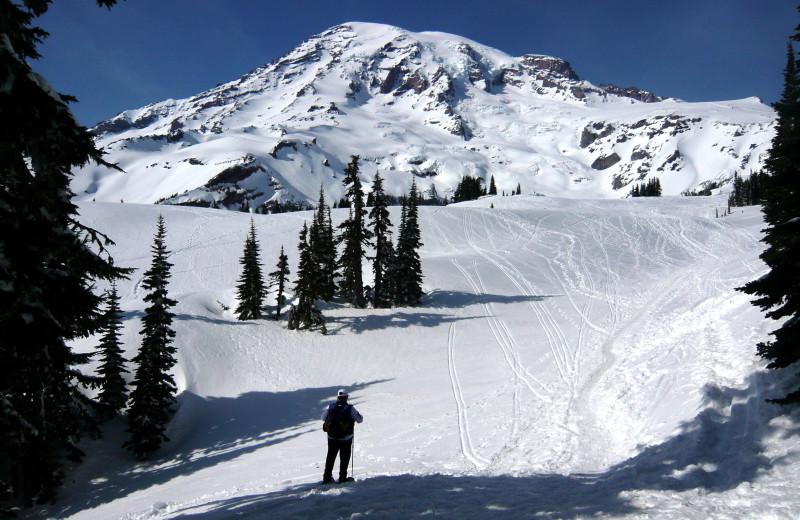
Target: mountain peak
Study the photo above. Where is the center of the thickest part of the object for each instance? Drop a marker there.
(432, 105)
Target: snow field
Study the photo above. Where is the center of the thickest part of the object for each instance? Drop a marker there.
(572, 359)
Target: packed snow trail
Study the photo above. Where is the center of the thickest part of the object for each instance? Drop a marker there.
(572, 359)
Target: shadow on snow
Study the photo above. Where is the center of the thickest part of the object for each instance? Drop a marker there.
(205, 432)
(423, 316)
(721, 448)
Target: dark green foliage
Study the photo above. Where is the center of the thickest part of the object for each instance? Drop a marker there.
(274, 207)
(747, 192)
(354, 237)
(519, 189)
(323, 250)
(306, 314)
(778, 291)
(49, 264)
(251, 289)
(407, 271)
(651, 188)
(154, 388)
(492, 187)
(113, 393)
(470, 188)
(384, 252)
(279, 277)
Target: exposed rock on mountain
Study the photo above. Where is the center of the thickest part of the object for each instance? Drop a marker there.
(431, 105)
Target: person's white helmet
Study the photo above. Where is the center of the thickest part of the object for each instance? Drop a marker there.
(343, 393)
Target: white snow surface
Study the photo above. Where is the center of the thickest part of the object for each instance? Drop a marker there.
(571, 359)
(433, 105)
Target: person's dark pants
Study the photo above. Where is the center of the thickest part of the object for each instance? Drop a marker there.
(343, 449)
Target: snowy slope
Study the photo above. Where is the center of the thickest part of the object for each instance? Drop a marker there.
(433, 105)
(572, 359)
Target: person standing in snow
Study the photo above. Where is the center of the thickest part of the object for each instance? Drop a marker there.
(339, 419)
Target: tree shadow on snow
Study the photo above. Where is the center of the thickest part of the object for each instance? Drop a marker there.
(460, 299)
(402, 317)
(358, 323)
(720, 449)
(204, 432)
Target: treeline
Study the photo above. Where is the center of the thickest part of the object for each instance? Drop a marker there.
(651, 188)
(747, 192)
(331, 261)
(472, 188)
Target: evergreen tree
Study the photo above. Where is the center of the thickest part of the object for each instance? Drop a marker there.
(408, 269)
(154, 388)
(651, 188)
(779, 290)
(306, 314)
(50, 263)
(492, 187)
(470, 188)
(113, 393)
(519, 189)
(323, 250)
(251, 290)
(354, 236)
(381, 231)
(278, 277)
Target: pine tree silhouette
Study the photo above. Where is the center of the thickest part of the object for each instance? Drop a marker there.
(251, 289)
(354, 237)
(381, 231)
(306, 314)
(50, 265)
(779, 290)
(279, 277)
(154, 388)
(113, 393)
(408, 269)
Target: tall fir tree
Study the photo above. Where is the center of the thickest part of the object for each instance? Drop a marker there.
(278, 278)
(384, 253)
(153, 394)
(50, 263)
(305, 314)
(113, 393)
(354, 236)
(778, 291)
(492, 187)
(323, 249)
(251, 289)
(408, 269)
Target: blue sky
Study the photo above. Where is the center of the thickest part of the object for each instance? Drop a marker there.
(143, 51)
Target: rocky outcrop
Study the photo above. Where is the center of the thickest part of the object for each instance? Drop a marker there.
(632, 92)
(602, 163)
(549, 65)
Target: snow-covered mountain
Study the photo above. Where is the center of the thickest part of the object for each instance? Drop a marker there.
(433, 105)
